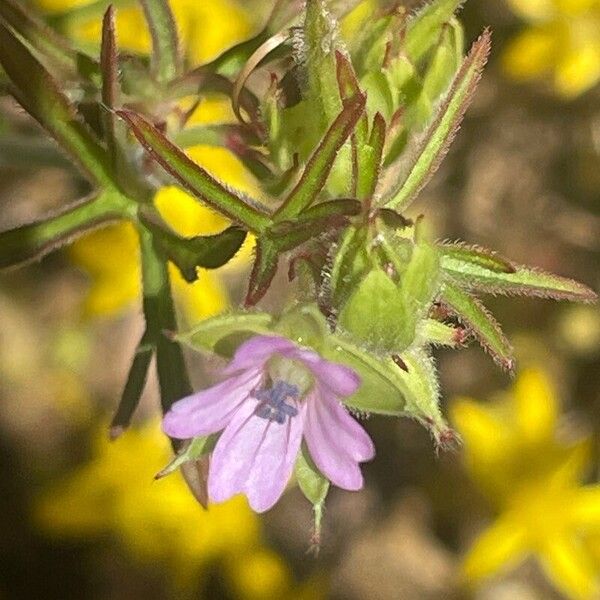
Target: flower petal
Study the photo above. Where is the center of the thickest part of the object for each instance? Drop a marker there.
(502, 545)
(209, 411)
(570, 567)
(339, 379)
(254, 456)
(274, 462)
(254, 353)
(336, 442)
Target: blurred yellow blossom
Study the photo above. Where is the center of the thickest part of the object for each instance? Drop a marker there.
(200, 38)
(160, 523)
(562, 40)
(534, 480)
(111, 255)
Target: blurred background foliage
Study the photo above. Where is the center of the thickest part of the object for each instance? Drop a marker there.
(81, 517)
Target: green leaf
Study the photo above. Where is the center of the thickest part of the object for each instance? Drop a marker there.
(484, 276)
(51, 47)
(399, 189)
(33, 241)
(312, 482)
(166, 56)
(424, 28)
(132, 393)
(209, 252)
(193, 177)
(196, 448)
(40, 95)
(473, 315)
(209, 333)
(319, 165)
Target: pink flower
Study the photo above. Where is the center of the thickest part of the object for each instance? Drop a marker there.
(274, 394)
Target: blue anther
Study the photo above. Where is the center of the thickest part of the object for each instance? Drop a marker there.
(272, 405)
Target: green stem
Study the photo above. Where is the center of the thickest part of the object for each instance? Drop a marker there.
(159, 312)
(34, 240)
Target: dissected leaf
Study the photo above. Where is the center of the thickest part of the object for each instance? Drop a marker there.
(52, 48)
(398, 190)
(473, 315)
(132, 393)
(209, 252)
(193, 177)
(33, 241)
(485, 276)
(457, 254)
(40, 95)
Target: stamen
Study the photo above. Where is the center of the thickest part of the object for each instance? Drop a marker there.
(272, 402)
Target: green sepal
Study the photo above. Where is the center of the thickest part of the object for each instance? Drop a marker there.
(312, 482)
(36, 90)
(381, 390)
(424, 28)
(166, 56)
(219, 334)
(315, 487)
(435, 333)
(473, 315)
(349, 265)
(369, 157)
(193, 450)
(33, 241)
(263, 270)
(445, 61)
(376, 314)
(304, 324)
(402, 182)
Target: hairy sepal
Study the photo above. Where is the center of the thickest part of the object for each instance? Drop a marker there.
(403, 181)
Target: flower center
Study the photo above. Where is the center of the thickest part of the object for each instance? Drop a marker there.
(272, 402)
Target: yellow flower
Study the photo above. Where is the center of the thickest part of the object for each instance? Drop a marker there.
(534, 480)
(159, 522)
(562, 41)
(205, 28)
